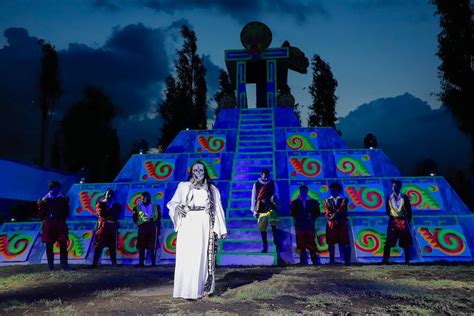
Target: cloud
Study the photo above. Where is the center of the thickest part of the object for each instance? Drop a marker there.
(130, 67)
(243, 10)
(107, 5)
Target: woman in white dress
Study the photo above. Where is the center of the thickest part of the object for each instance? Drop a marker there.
(199, 220)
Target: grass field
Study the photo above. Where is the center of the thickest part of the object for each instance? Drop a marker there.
(418, 289)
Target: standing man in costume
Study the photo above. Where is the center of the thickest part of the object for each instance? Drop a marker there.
(147, 216)
(337, 229)
(305, 210)
(53, 209)
(108, 212)
(398, 209)
(198, 218)
(263, 206)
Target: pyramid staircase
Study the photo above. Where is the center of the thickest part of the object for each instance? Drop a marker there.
(254, 152)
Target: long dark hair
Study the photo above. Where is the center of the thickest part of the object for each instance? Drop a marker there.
(206, 173)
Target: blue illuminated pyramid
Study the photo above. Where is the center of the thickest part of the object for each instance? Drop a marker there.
(241, 144)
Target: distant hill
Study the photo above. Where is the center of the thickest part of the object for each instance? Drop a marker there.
(408, 130)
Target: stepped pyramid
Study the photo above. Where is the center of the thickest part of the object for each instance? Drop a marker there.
(242, 142)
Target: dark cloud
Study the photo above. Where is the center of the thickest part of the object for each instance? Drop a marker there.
(130, 67)
(408, 131)
(106, 5)
(243, 10)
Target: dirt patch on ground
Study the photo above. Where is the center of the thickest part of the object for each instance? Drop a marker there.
(424, 289)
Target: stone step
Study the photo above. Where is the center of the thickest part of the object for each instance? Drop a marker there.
(256, 128)
(240, 204)
(239, 259)
(243, 222)
(245, 246)
(246, 176)
(242, 185)
(252, 149)
(242, 213)
(256, 120)
(255, 155)
(257, 110)
(252, 169)
(256, 143)
(248, 234)
(263, 163)
(241, 195)
(267, 138)
(263, 132)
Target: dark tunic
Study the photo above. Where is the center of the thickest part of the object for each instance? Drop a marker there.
(264, 194)
(305, 216)
(54, 211)
(148, 230)
(398, 228)
(106, 233)
(337, 230)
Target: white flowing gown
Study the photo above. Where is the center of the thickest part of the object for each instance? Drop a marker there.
(191, 269)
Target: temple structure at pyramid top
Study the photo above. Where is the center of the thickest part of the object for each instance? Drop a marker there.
(242, 142)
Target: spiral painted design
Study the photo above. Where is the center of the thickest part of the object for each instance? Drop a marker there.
(306, 166)
(369, 240)
(212, 144)
(88, 200)
(421, 198)
(75, 246)
(369, 198)
(299, 142)
(353, 167)
(14, 246)
(127, 244)
(159, 171)
(448, 241)
(451, 242)
(415, 196)
(321, 243)
(133, 201)
(170, 243)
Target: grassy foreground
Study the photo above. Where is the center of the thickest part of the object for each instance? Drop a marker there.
(424, 289)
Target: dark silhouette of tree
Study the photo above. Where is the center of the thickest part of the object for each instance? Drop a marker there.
(172, 113)
(322, 89)
(455, 49)
(139, 145)
(90, 141)
(185, 104)
(49, 88)
(225, 95)
(370, 141)
(426, 167)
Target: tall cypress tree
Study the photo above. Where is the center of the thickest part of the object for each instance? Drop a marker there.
(185, 104)
(322, 89)
(49, 88)
(90, 141)
(225, 95)
(171, 111)
(455, 49)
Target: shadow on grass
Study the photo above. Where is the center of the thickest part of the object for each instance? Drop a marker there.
(81, 283)
(235, 279)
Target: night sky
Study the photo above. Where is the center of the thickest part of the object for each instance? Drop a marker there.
(376, 48)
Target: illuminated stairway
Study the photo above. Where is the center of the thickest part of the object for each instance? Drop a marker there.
(254, 152)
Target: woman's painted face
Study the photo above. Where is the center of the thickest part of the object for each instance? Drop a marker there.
(198, 172)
